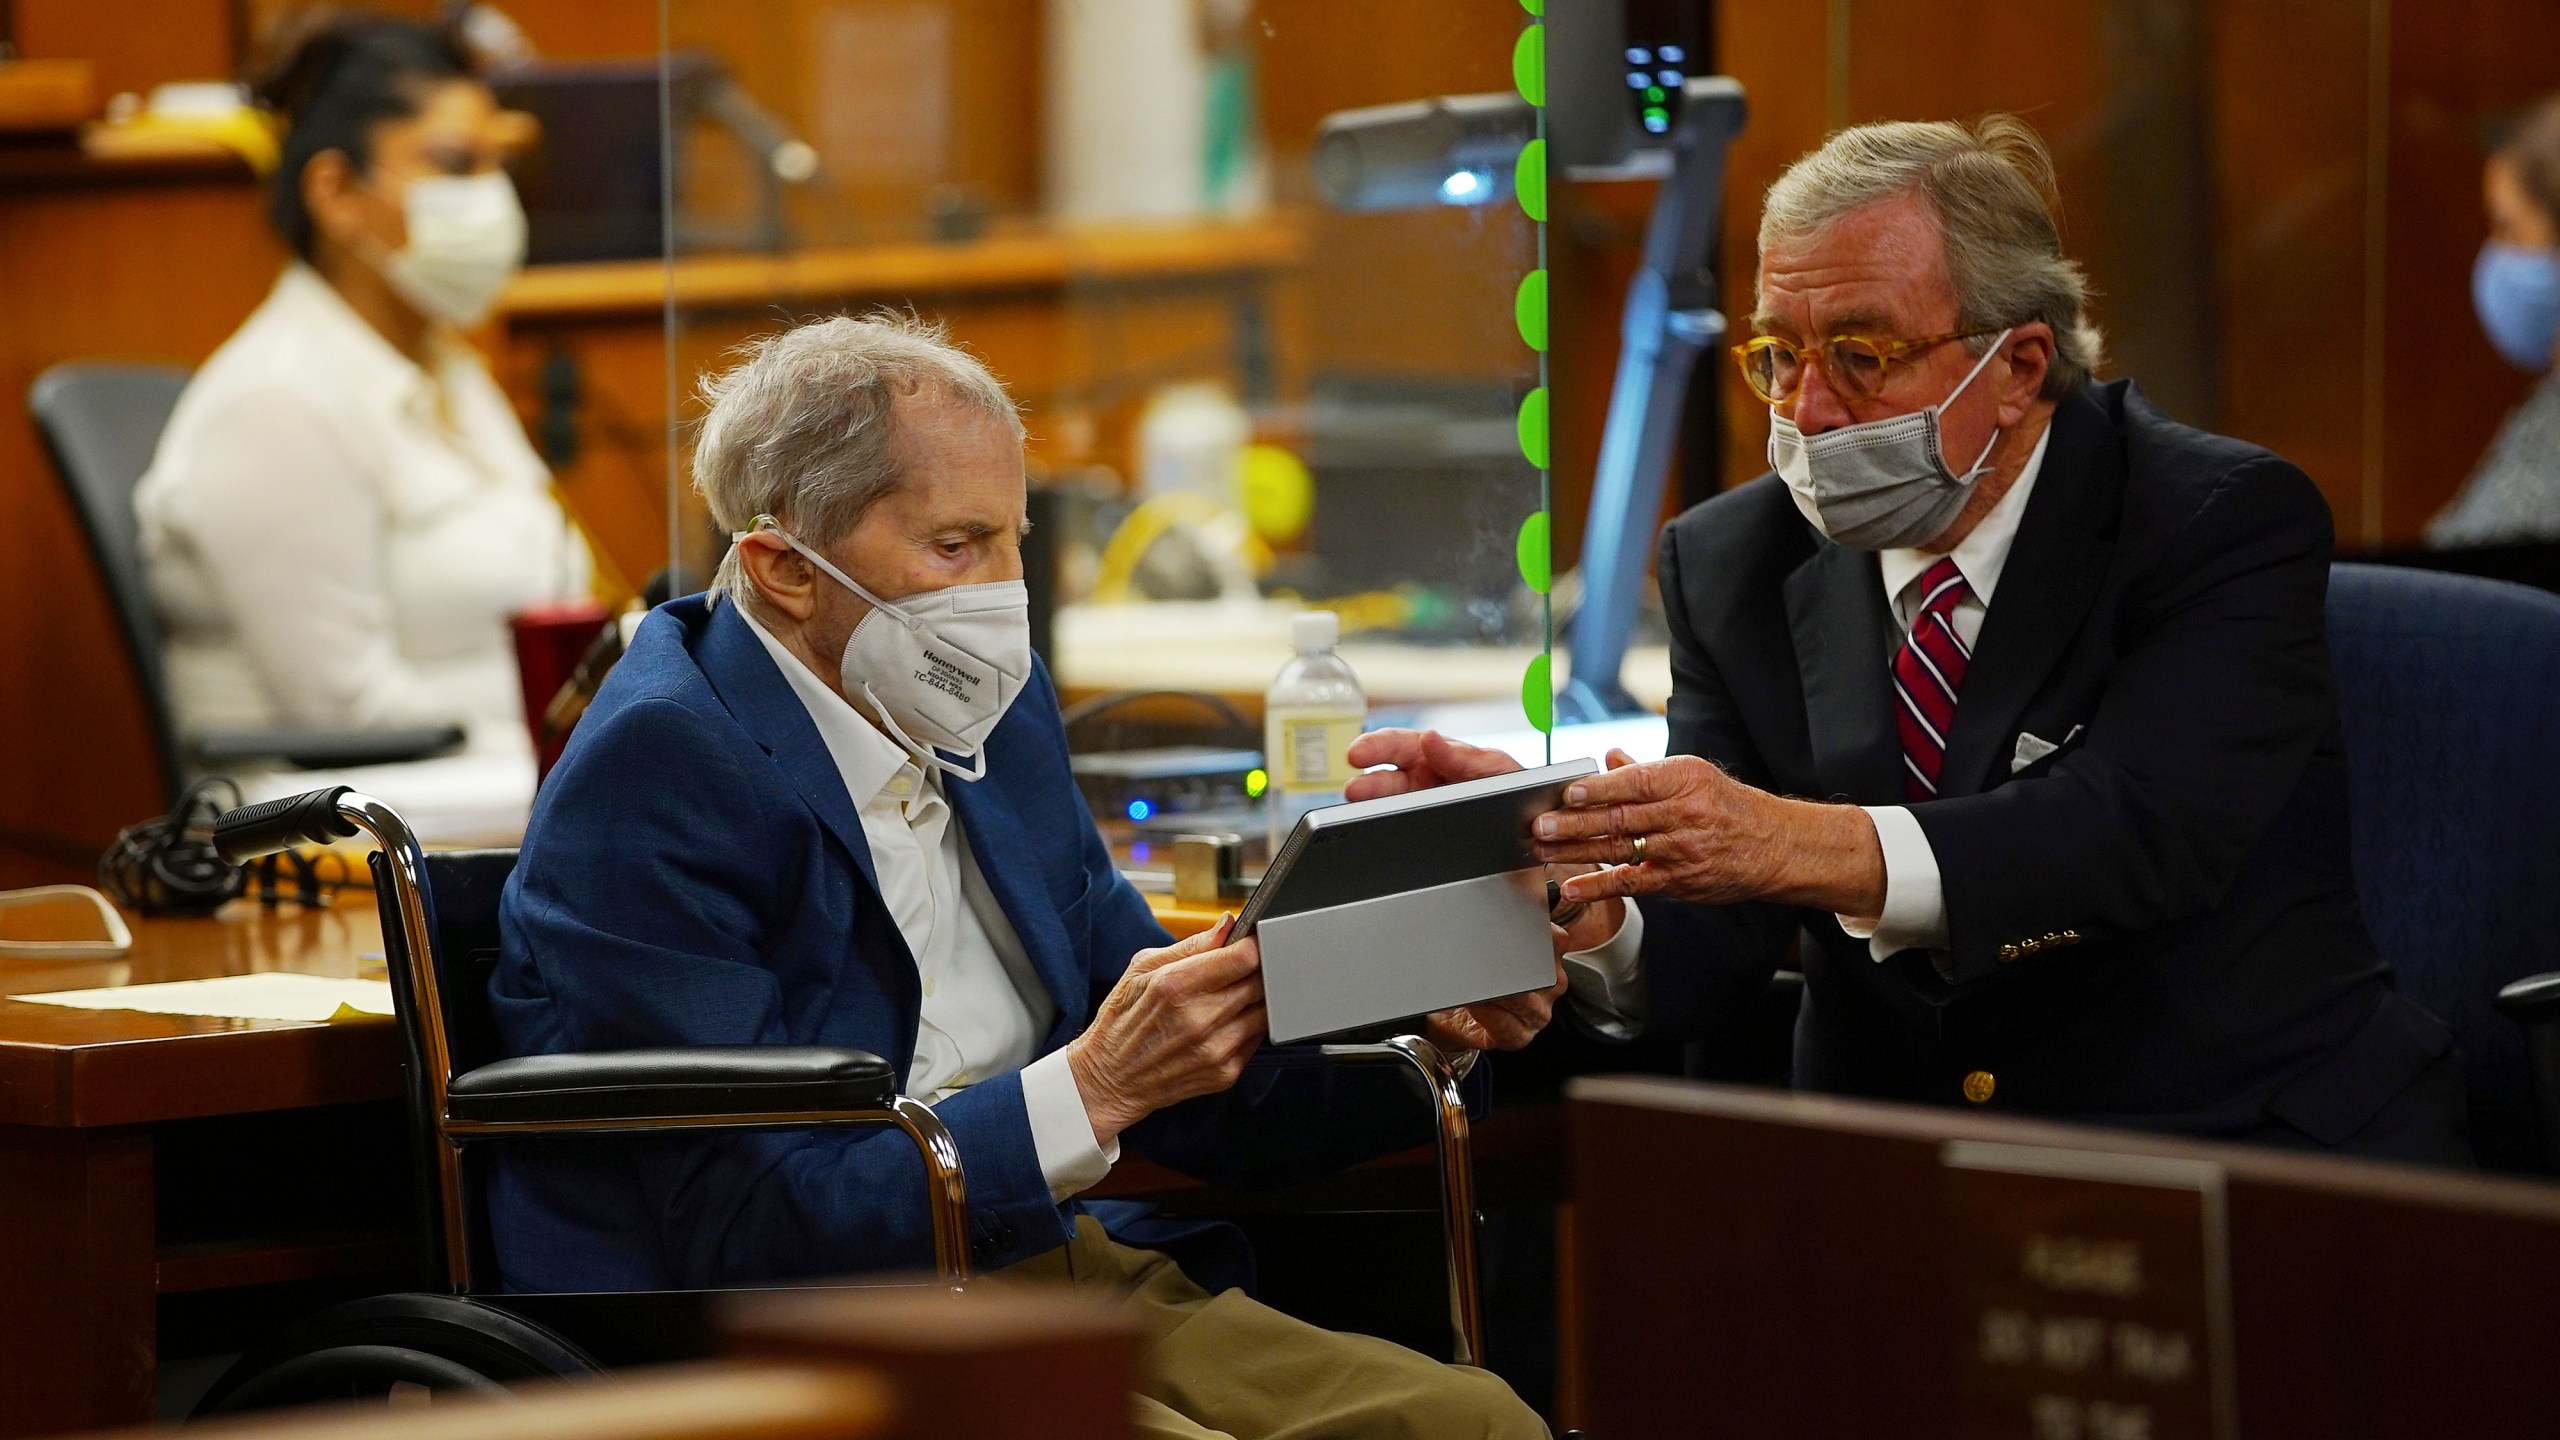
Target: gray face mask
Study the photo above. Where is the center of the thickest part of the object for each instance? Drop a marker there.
(1883, 484)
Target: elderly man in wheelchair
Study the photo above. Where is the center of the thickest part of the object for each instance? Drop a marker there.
(828, 803)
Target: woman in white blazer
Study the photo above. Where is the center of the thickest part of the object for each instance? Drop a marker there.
(344, 511)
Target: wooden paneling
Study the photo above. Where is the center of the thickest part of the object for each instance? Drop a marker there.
(1741, 1252)
(76, 1346)
(135, 44)
(2278, 201)
(1425, 293)
(1068, 1358)
(2289, 236)
(729, 1401)
(158, 271)
(2441, 388)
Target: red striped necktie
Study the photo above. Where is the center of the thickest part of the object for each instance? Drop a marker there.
(1928, 674)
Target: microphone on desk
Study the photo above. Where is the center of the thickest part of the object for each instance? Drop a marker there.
(789, 159)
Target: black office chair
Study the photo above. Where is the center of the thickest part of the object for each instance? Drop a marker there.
(101, 423)
(2449, 693)
(440, 939)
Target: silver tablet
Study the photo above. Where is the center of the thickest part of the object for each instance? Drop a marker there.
(1384, 909)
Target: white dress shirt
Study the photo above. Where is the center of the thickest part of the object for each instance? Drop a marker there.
(985, 1011)
(336, 536)
(1607, 981)
(1915, 901)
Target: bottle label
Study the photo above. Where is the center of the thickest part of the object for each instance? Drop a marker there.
(1310, 749)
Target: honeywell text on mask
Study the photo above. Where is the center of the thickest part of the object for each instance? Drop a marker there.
(947, 677)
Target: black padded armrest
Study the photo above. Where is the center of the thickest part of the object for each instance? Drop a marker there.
(325, 749)
(2533, 998)
(661, 1084)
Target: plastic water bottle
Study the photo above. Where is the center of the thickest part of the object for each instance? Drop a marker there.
(1310, 716)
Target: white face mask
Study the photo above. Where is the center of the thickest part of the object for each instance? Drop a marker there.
(1882, 484)
(466, 241)
(940, 668)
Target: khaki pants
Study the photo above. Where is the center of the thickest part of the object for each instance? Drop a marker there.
(1224, 1367)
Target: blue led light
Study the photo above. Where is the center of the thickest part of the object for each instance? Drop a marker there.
(1637, 55)
(1139, 810)
(1463, 187)
(1656, 122)
(1671, 78)
(1638, 79)
(1672, 54)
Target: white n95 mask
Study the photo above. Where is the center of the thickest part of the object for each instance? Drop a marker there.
(1882, 484)
(940, 668)
(466, 241)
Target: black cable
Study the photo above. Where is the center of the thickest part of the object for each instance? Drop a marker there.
(167, 865)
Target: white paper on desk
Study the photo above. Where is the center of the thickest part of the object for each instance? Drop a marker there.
(266, 995)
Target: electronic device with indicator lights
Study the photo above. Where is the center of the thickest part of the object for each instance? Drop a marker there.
(1143, 785)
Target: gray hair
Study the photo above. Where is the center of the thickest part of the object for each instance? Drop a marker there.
(1992, 188)
(805, 429)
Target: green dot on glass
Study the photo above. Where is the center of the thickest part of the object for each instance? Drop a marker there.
(1534, 7)
(1537, 696)
(1529, 64)
(1529, 180)
(1533, 426)
(1536, 565)
(1529, 307)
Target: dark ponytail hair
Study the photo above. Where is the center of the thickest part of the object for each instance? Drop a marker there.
(333, 77)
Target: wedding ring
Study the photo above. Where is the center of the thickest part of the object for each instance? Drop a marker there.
(1639, 844)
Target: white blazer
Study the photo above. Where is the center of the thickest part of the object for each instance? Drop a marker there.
(336, 536)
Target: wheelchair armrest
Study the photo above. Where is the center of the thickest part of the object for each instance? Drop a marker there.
(659, 1084)
(315, 749)
(2534, 1000)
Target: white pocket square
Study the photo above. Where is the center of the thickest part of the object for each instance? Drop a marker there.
(2032, 748)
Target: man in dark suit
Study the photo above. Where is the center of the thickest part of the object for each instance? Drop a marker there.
(2051, 672)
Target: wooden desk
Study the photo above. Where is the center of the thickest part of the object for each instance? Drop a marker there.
(1770, 1265)
(96, 1222)
(107, 1163)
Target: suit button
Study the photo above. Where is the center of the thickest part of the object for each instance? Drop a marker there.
(2008, 952)
(1978, 1086)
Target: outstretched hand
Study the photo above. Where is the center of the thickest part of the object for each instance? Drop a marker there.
(1423, 760)
(1710, 839)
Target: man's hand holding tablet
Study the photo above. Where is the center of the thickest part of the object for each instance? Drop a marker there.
(1427, 759)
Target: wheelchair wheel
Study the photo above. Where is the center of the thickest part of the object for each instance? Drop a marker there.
(394, 1347)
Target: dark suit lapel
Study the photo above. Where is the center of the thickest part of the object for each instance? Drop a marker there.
(769, 710)
(1844, 646)
(2056, 566)
(1003, 849)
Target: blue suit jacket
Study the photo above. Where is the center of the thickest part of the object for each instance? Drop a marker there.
(695, 874)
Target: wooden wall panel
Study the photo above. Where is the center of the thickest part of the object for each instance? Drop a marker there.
(2441, 388)
(148, 272)
(1425, 293)
(2289, 104)
(135, 44)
